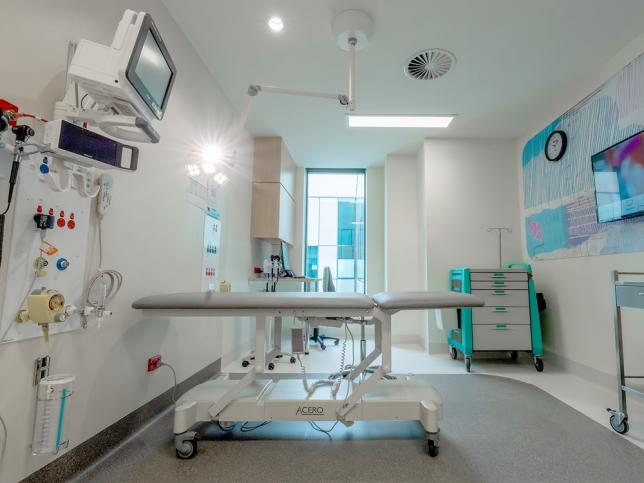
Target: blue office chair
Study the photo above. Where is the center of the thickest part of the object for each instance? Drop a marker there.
(327, 286)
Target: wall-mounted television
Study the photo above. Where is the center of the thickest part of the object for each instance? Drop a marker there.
(619, 179)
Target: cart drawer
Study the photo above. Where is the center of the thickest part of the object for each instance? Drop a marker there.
(628, 295)
(502, 337)
(500, 315)
(512, 276)
(497, 284)
(503, 297)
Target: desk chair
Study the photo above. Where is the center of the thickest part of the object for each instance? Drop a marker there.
(327, 286)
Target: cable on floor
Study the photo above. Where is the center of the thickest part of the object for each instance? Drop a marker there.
(247, 429)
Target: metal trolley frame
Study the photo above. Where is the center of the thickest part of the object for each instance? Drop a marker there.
(625, 294)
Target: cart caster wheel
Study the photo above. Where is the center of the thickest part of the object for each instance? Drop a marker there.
(468, 363)
(245, 363)
(292, 360)
(432, 449)
(514, 355)
(271, 366)
(279, 356)
(538, 364)
(620, 428)
(188, 449)
(453, 353)
(336, 342)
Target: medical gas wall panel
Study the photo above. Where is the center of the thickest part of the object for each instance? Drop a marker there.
(62, 251)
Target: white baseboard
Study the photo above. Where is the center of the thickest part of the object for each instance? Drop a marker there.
(583, 371)
(406, 339)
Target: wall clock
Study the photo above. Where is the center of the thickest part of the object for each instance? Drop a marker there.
(556, 146)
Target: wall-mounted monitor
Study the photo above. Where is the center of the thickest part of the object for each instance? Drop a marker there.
(134, 75)
(619, 179)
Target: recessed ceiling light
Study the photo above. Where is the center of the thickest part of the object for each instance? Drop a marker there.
(399, 121)
(276, 24)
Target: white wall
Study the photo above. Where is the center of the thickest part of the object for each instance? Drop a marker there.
(403, 269)
(578, 322)
(470, 185)
(375, 229)
(151, 234)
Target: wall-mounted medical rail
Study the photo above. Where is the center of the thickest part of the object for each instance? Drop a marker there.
(630, 295)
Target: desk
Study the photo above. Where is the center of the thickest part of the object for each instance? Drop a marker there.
(306, 281)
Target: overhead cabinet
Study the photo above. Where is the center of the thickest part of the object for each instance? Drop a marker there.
(273, 207)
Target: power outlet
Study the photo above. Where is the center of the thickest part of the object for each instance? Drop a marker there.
(41, 368)
(153, 363)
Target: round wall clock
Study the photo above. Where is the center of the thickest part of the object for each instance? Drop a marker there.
(556, 146)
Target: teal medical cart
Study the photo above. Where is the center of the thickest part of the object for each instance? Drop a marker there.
(509, 322)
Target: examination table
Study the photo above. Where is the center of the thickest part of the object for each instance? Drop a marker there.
(261, 395)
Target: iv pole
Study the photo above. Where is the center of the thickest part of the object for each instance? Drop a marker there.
(500, 230)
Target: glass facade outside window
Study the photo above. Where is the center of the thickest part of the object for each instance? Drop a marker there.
(335, 227)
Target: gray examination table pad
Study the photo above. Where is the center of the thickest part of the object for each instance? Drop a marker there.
(396, 301)
(387, 301)
(256, 300)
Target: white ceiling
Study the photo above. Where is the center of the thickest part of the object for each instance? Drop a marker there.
(512, 56)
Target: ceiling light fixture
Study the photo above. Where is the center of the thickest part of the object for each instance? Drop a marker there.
(276, 24)
(354, 120)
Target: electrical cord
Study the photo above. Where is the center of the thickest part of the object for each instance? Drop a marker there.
(246, 429)
(174, 374)
(226, 429)
(112, 281)
(6, 438)
(24, 299)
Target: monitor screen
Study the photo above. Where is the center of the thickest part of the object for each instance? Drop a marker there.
(150, 70)
(619, 179)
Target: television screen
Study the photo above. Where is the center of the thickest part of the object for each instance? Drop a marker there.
(619, 179)
(150, 70)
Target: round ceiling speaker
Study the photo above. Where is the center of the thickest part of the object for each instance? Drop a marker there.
(430, 64)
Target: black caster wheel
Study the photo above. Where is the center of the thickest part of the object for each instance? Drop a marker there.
(468, 364)
(279, 356)
(245, 363)
(188, 449)
(453, 353)
(538, 364)
(271, 366)
(514, 355)
(336, 342)
(292, 360)
(323, 347)
(621, 428)
(432, 449)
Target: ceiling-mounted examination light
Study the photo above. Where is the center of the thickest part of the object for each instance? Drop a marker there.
(211, 153)
(276, 24)
(355, 120)
(221, 178)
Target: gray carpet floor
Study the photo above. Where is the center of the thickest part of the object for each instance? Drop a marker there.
(494, 430)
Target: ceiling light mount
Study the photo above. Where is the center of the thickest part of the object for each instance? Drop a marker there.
(352, 28)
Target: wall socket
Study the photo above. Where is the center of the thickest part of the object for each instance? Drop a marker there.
(41, 368)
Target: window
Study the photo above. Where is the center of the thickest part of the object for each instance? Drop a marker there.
(335, 227)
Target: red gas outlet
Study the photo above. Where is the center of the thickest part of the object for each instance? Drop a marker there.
(154, 363)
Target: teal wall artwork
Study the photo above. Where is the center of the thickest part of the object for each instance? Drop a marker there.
(559, 197)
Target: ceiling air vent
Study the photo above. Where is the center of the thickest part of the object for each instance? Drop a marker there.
(430, 64)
